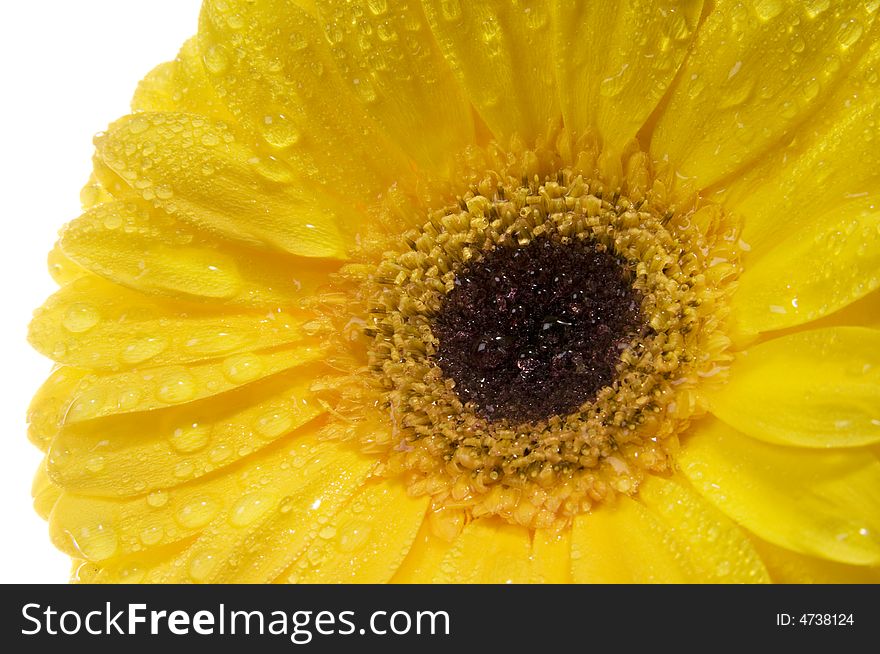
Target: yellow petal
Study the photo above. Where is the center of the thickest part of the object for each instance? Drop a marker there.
(717, 550)
(614, 61)
(130, 329)
(138, 453)
(62, 269)
(269, 525)
(776, 290)
(44, 492)
(819, 388)
(180, 85)
(224, 507)
(756, 73)
(824, 504)
(430, 547)
(271, 63)
(489, 551)
(203, 173)
(624, 544)
(830, 160)
(551, 557)
(787, 567)
(389, 57)
(50, 403)
(502, 54)
(147, 389)
(366, 541)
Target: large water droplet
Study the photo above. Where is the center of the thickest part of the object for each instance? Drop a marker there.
(242, 368)
(849, 32)
(202, 565)
(96, 543)
(273, 423)
(176, 387)
(767, 9)
(197, 512)
(279, 131)
(80, 317)
(190, 437)
(248, 509)
(142, 349)
(216, 60)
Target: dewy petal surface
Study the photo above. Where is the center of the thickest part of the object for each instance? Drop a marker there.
(386, 52)
(624, 544)
(180, 85)
(815, 199)
(118, 328)
(825, 504)
(202, 173)
(614, 55)
(133, 454)
(819, 388)
(488, 552)
(669, 535)
(502, 53)
(366, 541)
(756, 72)
(272, 64)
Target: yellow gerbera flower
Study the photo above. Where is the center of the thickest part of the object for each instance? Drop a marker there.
(477, 291)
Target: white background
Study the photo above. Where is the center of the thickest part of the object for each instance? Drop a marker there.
(67, 69)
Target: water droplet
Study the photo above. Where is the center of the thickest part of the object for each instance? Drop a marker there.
(286, 505)
(274, 423)
(190, 438)
(354, 536)
(184, 469)
(365, 90)
(811, 89)
(767, 9)
(210, 139)
(176, 387)
(220, 453)
(197, 512)
(157, 499)
(377, 7)
(80, 317)
(279, 131)
(202, 565)
(816, 7)
(248, 509)
(142, 349)
(242, 368)
(450, 10)
(152, 535)
(95, 464)
(138, 125)
(132, 574)
(327, 532)
(216, 60)
(849, 32)
(96, 543)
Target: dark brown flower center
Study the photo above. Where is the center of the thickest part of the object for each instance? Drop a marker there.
(536, 331)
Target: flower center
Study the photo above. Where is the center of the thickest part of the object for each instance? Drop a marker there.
(531, 332)
(536, 346)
